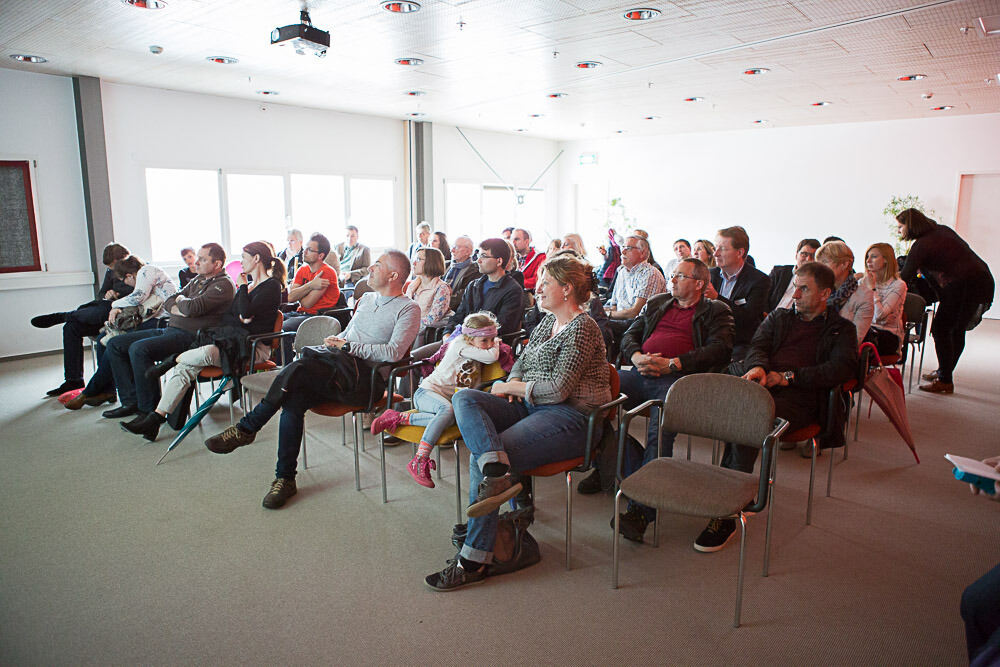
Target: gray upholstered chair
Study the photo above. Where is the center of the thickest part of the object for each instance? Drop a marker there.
(680, 486)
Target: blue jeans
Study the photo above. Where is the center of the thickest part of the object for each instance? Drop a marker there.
(103, 381)
(132, 354)
(518, 434)
(435, 414)
(640, 388)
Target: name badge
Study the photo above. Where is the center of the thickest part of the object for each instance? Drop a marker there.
(740, 302)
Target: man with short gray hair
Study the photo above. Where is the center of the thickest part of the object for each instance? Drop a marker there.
(463, 270)
(636, 282)
(383, 329)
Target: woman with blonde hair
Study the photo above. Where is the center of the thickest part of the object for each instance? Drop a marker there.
(705, 251)
(537, 416)
(889, 296)
(853, 304)
(574, 241)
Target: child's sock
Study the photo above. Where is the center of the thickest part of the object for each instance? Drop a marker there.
(424, 450)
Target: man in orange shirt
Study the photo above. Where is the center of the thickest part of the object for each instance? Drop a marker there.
(315, 286)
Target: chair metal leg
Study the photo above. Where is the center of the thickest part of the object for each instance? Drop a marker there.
(739, 578)
(305, 455)
(857, 419)
(458, 483)
(656, 529)
(615, 539)
(381, 452)
(357, 465)
(689, 448)
(569, 516)
(829, 475)
(438, 448)
(343, 430)
(770, 514)
(812, 477)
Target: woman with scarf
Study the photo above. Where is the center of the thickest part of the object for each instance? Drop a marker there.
(854, 304)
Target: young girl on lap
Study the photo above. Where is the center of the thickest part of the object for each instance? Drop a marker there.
(470, 347)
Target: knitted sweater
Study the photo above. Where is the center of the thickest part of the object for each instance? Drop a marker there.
(569, 367)
(149, 281)
(459, 352)
(383, 328)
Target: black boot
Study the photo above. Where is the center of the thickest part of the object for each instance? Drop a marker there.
(50, 320)
(157, 370)
(148, 426)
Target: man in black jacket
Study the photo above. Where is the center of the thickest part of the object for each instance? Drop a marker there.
(798, 354)
(674, 335)
(781, 275)
(739, 285)
(494, 290)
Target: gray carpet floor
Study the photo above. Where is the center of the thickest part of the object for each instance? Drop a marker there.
(108, 559)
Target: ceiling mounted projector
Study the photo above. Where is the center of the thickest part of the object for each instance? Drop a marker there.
(302, 37)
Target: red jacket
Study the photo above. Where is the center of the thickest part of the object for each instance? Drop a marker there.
(529, 267)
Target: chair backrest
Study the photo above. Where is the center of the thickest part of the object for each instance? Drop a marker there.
(278, 322)
(720, 407)
(313, 330)
(616, 388)
(914, 307)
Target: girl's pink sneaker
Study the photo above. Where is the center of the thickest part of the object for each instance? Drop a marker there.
(420, 470)
(389, 421)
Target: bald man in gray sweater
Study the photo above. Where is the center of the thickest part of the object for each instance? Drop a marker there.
(383, 329)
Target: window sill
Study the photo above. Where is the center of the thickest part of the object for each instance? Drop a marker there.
(44, 279)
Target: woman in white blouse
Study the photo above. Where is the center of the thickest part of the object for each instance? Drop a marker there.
(881, 277)
(430, 292)
(853, 302)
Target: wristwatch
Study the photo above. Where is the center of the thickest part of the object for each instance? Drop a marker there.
(789, 376)
(672, 367)
(346, 347)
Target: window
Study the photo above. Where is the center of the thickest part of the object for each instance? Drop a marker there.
(19, 251)
(183, 209)
(372, 207)
(463, 210)
(256, 210)
(318, 205)
(503, 208)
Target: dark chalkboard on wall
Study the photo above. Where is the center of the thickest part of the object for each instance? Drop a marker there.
(18, 235)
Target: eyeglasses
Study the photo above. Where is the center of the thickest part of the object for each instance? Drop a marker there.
(487, 257)
(310, 250)
(681, 276)
(630, 247)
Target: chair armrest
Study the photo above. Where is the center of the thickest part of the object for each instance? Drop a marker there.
(623, 429)
(392, 365)
(270, 335)
(593, 416)
(513, 337)
(398, 371)
(333, 312)
(767, 456)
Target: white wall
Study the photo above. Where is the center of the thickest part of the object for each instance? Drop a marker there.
(150, 127)
(38, 122)
(518, 159)
(783, 184)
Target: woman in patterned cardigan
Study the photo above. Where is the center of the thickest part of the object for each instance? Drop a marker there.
(537, 416)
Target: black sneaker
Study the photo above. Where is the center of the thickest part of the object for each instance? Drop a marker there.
(632, 524)
(230, 439)
(281, 490)
(160, 369)
(453, 577)
(50, 320)
(493, 492)
(68, 385)
(123, 411)
(716, 536)
(590, 484)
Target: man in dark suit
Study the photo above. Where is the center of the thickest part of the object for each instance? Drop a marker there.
(781, 275)
(740, 286)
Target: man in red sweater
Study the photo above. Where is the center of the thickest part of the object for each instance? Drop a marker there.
(528, 261)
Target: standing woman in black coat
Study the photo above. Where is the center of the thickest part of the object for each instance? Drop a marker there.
(960, 277)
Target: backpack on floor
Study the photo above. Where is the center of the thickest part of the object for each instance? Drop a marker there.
(515, 548)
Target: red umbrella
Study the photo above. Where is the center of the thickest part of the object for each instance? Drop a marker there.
(885, 386)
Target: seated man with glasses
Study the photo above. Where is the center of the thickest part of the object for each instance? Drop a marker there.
(636, 282)
(675, 335)
(494, 291)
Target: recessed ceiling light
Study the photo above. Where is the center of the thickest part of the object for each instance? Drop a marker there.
(556, 96)
(537, 115)
(694, 99)
(409, 62)
(946, 107)
(415, 93)
(751, 71)
(761, 121)
(821, 104)
(521, 129)
(266, 93)
(25, 58)
(588, 64)
(145, 4)
(416, 114)
(619, 131)
(402, 7)
(911, 77)
(652, 118)
(222, 60)
(641, 14)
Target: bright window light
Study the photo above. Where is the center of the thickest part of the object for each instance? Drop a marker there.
(318, 205)
(256, 210)
(463, 211)
(372, 211)
(183, 211)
